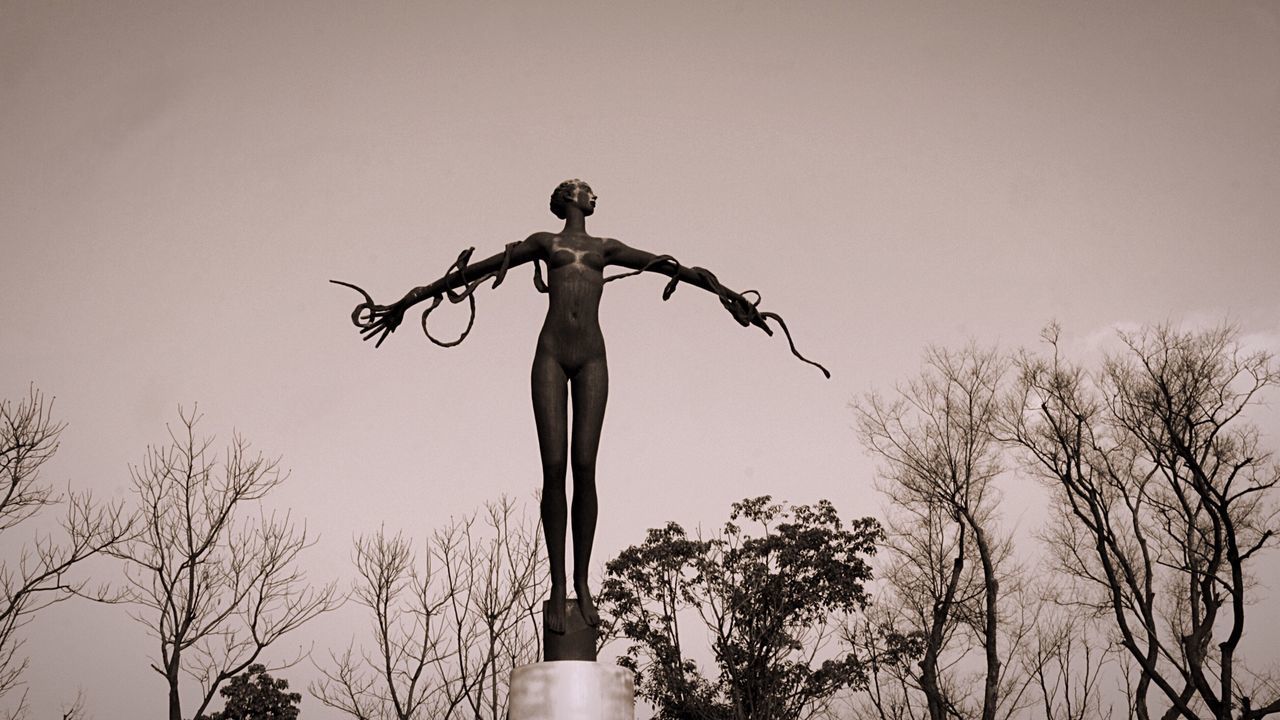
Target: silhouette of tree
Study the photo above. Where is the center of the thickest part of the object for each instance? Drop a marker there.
(1163, 501)
(73, 710)
(447, 631)
(951, 581)
(255, 695)
(214, 589)
(40, 571)
(772, 601)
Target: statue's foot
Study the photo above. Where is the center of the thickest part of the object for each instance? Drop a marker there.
(554, 617)
(586, 604)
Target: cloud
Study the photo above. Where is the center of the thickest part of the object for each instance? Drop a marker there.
(1107, 338)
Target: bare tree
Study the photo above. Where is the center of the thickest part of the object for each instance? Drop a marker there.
(1162, 496)
(214, 589)
(397, 679)
(73, 710)
(890, 655)
(40, 571)
(1067, 661)
(949, 570)
(447, 631)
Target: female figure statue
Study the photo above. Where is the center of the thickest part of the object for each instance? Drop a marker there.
(569, 362)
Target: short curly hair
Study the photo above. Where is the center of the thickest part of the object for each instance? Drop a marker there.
(564, 194)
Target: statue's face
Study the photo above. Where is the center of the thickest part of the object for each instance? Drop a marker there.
(585, 199)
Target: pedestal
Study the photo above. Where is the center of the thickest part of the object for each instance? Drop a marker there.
(572, 690)
(577, 642)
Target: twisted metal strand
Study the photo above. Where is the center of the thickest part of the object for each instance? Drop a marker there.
(468, 291)
(743, 312)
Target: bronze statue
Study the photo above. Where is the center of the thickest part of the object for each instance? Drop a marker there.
(570, 355)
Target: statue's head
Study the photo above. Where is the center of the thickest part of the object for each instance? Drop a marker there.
(573, 192)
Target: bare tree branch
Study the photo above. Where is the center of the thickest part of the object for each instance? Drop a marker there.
(1163, 497)
(447, 631)
(43, 571)
(214, 588)
(940, 457)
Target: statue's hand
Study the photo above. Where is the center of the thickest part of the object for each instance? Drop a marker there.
(758, 320)
(372, 319)
(379, 321)
(745, 311)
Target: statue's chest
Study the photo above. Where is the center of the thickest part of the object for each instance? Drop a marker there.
(565, 255)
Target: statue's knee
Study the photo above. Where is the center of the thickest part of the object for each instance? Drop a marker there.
(554, 507)
(583, 469)
(553, 471)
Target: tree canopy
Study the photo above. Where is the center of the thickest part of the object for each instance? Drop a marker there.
(772, 589)
(255, 695)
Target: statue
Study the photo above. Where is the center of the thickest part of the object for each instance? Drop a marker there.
(569, 362)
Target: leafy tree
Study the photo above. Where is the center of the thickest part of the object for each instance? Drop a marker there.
(255, 695)
(772, 602)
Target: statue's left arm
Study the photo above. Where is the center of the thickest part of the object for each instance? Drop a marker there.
(622, 255)
(743, 310)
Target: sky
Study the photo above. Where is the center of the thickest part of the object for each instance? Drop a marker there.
(179, 181)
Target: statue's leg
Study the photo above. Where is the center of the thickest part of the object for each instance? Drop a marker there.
(590, 391)
(550, 413)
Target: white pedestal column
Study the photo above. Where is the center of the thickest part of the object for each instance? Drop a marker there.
(572, 690)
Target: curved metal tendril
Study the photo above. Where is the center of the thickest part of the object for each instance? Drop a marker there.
(745, 313)
(368, 305)
(468, 290)
(744, 306)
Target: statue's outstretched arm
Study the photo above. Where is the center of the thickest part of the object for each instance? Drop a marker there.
(464, 274)
(462, 279)
(618, 253)
(745, 311)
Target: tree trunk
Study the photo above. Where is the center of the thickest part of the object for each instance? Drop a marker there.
(175, 701)
(991, 587)
(933, 648)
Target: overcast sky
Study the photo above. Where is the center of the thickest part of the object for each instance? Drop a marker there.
(179, 181)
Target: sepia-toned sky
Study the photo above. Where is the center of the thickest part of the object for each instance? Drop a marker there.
(179, 181)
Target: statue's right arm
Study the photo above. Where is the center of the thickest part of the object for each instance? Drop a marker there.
(525, 251)
(378, 321)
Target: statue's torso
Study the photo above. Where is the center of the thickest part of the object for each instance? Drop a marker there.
(575, 282)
